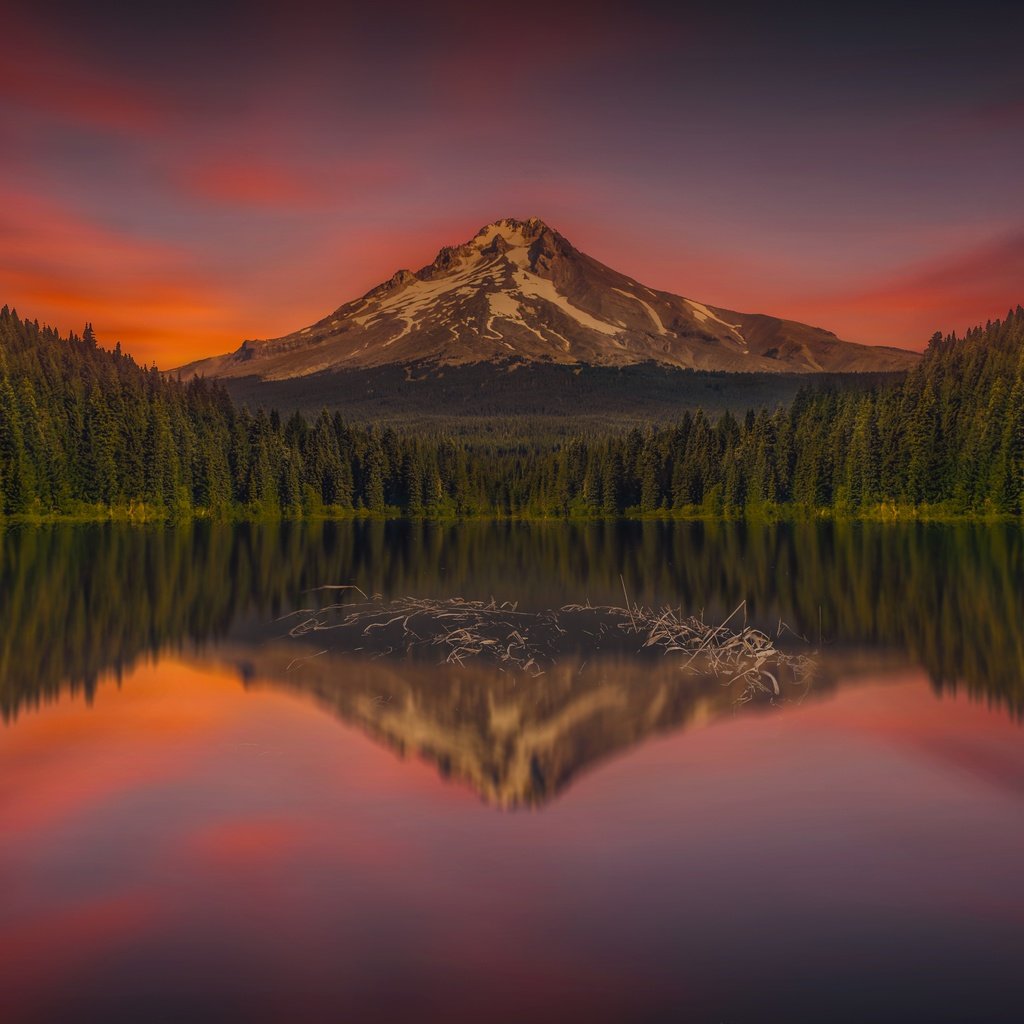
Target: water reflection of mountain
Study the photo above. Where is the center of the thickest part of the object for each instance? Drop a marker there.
(515, 739)
(77, 601)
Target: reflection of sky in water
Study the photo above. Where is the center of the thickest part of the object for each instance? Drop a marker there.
(241, 850)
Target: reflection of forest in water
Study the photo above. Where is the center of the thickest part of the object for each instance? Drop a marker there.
(77, 601)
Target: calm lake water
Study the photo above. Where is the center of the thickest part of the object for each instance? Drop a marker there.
(204, 818)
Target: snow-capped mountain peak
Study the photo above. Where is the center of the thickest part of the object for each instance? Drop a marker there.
(518, 290)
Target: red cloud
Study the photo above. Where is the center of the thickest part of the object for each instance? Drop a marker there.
(77, 95)
(60, 267)
(952, 292)
(42, 73)
(280, 184)
(250, 185)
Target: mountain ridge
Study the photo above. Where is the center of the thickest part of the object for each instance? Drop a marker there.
(520, 291)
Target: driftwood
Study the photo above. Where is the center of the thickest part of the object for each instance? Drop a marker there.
(457, 630)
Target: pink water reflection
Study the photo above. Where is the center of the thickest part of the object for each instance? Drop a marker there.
(228, 851)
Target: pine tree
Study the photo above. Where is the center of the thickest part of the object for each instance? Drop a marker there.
(921, 438)
(100, 446)
(17, 494)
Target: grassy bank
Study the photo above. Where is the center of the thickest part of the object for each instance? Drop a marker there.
(148, 514)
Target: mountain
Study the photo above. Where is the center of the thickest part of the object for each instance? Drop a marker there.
(520, 293)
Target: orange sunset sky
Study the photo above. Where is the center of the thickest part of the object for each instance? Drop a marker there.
(189, 177)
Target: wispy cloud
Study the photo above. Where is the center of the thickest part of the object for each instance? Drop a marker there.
(953, 291)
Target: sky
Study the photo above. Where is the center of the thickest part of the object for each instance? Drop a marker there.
(186, 176)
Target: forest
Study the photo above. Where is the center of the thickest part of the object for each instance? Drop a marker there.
(530, 399)
(88, 433)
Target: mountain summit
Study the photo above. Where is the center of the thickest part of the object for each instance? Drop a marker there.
(519, 291)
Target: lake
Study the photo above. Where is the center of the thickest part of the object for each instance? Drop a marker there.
(207, 814)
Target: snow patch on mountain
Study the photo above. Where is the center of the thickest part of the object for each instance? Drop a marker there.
(541, 288)
(655, 319)
(505, 306)
(702, 313)
(511, 232)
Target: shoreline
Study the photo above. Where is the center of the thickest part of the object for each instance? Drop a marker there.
(771, 516)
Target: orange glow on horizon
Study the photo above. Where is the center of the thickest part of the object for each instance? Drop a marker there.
(148, 297)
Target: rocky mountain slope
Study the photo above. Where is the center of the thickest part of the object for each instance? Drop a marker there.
(520, 292)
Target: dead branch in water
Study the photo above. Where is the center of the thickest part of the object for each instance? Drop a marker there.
(460, 630)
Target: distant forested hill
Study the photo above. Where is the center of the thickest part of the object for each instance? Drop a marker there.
(531, 398)
(86, 431)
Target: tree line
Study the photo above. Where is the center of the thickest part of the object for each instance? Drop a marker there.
(86, 431)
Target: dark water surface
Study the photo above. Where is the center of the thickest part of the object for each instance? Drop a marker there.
(202, 818)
